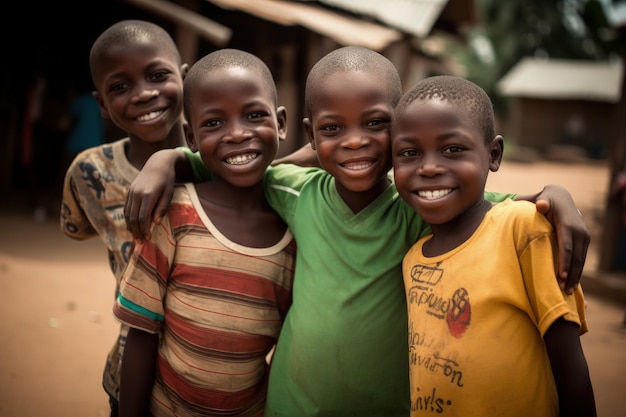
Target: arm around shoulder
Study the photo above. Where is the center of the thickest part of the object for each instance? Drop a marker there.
(150, 193)
(573, 237)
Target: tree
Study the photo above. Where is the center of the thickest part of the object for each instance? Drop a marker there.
(512, 30)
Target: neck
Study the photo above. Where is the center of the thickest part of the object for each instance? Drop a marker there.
(449, 235)
(223, 194)
(358, 200)
(138, 151)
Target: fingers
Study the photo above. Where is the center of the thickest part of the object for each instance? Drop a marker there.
(130, 214)
(573, 245)
(573, 237)
(153, 207)
(138, 214)
(143, 219)
(579, 255)
(162, 204)
(564, 243)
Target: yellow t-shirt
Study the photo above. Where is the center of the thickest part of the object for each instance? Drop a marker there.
(477, 316)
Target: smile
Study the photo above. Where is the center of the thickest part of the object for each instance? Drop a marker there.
(355, 166)
(241, 159)
(434, 194)
(150, 116)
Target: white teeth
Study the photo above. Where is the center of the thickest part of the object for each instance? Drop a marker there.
(149, 116)
(434, 194)
(241, 159)
(357, 165)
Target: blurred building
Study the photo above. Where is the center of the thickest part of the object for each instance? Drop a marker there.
(572, 111)
(560, 105)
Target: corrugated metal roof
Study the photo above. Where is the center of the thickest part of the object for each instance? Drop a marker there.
(207, 28)
(343, 29)
(416, 17)
(564, 79)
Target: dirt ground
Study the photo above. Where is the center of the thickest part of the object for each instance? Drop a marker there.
(58, 293)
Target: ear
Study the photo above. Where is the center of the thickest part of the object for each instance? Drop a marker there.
(281, 117)
(496, 150)
(103, 109)
(309, 131)
(183, 70)
(191, 140)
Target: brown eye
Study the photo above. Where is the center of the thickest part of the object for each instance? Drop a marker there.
(453, 149)
(409, 153)
(330, 128)
(213, 123)
(256, 115)
(159, 76)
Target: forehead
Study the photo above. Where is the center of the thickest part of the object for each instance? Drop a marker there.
(433, 112)
(232, 78)
(433, 107)
(128, 57)
(361, 86)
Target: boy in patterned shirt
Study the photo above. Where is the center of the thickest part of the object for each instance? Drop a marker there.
(138, 77)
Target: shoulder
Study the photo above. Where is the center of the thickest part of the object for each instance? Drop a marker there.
(106, 151)
(291, 172)
(103, 159)
(519, 208)
(291, 178)
(182, 209)
(182, 193)
(522, 216)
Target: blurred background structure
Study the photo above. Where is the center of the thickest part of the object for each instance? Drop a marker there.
(555, 71)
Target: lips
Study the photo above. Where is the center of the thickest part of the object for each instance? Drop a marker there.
(434, 194)
(357, 165)
(241, 159)
(149, 116)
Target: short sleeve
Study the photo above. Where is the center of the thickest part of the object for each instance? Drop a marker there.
(143, 285)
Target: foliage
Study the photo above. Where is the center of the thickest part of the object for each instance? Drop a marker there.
(511, 30)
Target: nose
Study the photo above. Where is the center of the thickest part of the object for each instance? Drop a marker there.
(146, 94)
(238, 133)
(356, 139)
(430, 166)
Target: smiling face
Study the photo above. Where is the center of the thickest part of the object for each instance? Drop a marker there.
(140, 88)
(441, 159)
(349, 127)
(234, 123)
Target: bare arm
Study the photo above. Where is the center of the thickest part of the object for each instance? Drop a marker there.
(138, 373)
(151, 192)
(573, 237)
(570, 370)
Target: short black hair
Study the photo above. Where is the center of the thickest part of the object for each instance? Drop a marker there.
(353, 58)
(127, 32)
(226, 58)
(466, 95)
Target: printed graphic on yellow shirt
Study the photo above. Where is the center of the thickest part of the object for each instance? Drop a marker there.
(456, 310)
(460, 313)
